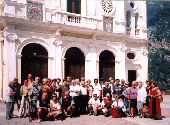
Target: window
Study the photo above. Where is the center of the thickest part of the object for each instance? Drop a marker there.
(128, 18)
(34, 11)
(130, 55)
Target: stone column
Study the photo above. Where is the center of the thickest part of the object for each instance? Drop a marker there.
(93, 62)
(132, 25)
(18, 68)
(63, 67)
(9, 59)
(123, 67)
(87, 68)
(57, 59)
(121, 22)
(1, 69)
(144, 65)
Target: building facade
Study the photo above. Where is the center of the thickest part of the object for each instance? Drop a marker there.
(60, 38)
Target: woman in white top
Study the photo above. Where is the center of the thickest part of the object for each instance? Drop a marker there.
(141, 97)
(74, 93)
(55, 108)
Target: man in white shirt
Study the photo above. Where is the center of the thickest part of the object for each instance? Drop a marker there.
(97, 88)
(74, 93)
(118, 105)
(94, 105)
(83, 97)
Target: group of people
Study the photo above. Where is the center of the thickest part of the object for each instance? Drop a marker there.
(55, 100)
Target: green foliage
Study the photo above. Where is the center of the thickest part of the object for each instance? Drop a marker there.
(159, 51)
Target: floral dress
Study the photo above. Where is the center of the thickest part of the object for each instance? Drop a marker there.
(33, 96)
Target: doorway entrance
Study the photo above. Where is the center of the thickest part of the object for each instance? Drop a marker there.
(74, 63)
(131, 76)
(34, 61)
(106, 65)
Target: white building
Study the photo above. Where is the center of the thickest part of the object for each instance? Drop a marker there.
(60, 38)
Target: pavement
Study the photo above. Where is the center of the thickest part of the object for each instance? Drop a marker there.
(92, 120)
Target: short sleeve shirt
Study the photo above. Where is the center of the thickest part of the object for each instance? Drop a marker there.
(133, 92)
(94, 102)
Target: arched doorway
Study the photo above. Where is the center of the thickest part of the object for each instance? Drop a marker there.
(106, 65)
(34, 61)
(74, 63)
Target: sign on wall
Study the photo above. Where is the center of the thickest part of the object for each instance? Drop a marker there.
(34, 11)
(108, 24)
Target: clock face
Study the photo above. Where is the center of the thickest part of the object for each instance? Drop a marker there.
(107, 6)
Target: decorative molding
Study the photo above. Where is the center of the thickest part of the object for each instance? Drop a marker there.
(58, 31)
(144, 53)
(118, 62)
(34, 29)
(87, 60)
(123, 48)
(58, 43)
(51, 58)
(62, 59)
(93, 45)
(12, 37)
(77, 35)
(18, 56)
(97, 61)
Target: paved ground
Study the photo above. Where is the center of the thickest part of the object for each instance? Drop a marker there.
(94, 120)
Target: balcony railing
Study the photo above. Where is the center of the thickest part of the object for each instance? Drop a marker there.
(137, 31)
(77, 20)
(128, 30)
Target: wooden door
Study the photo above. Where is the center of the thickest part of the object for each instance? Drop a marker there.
(34, 61)
(74, 63)
(106, 65)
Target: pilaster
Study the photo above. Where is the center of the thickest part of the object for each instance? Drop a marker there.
(93, 62)
(122, 63)
(9, 59)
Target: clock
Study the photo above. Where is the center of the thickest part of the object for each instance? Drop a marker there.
(107, 6)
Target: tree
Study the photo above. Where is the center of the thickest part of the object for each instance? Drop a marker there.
(159, 48)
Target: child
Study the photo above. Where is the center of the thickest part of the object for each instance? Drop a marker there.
(32, 96)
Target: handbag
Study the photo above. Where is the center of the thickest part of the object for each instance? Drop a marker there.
(160, 98)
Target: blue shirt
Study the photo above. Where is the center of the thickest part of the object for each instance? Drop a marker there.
(117, 86)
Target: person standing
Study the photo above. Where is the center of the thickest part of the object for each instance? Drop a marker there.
(64, 87)
(9, 100)
(33, 97)
(148, 87)
(74, 93)
(141, 97)
(37, 79)
(83, 97)
(154, 104)
(132, 98)
(17, 96)
(118, 89)
(105, 90)
(125, 99)
(97, 88)
(24, 100)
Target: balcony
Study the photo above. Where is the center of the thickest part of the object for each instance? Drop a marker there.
(77, 20)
